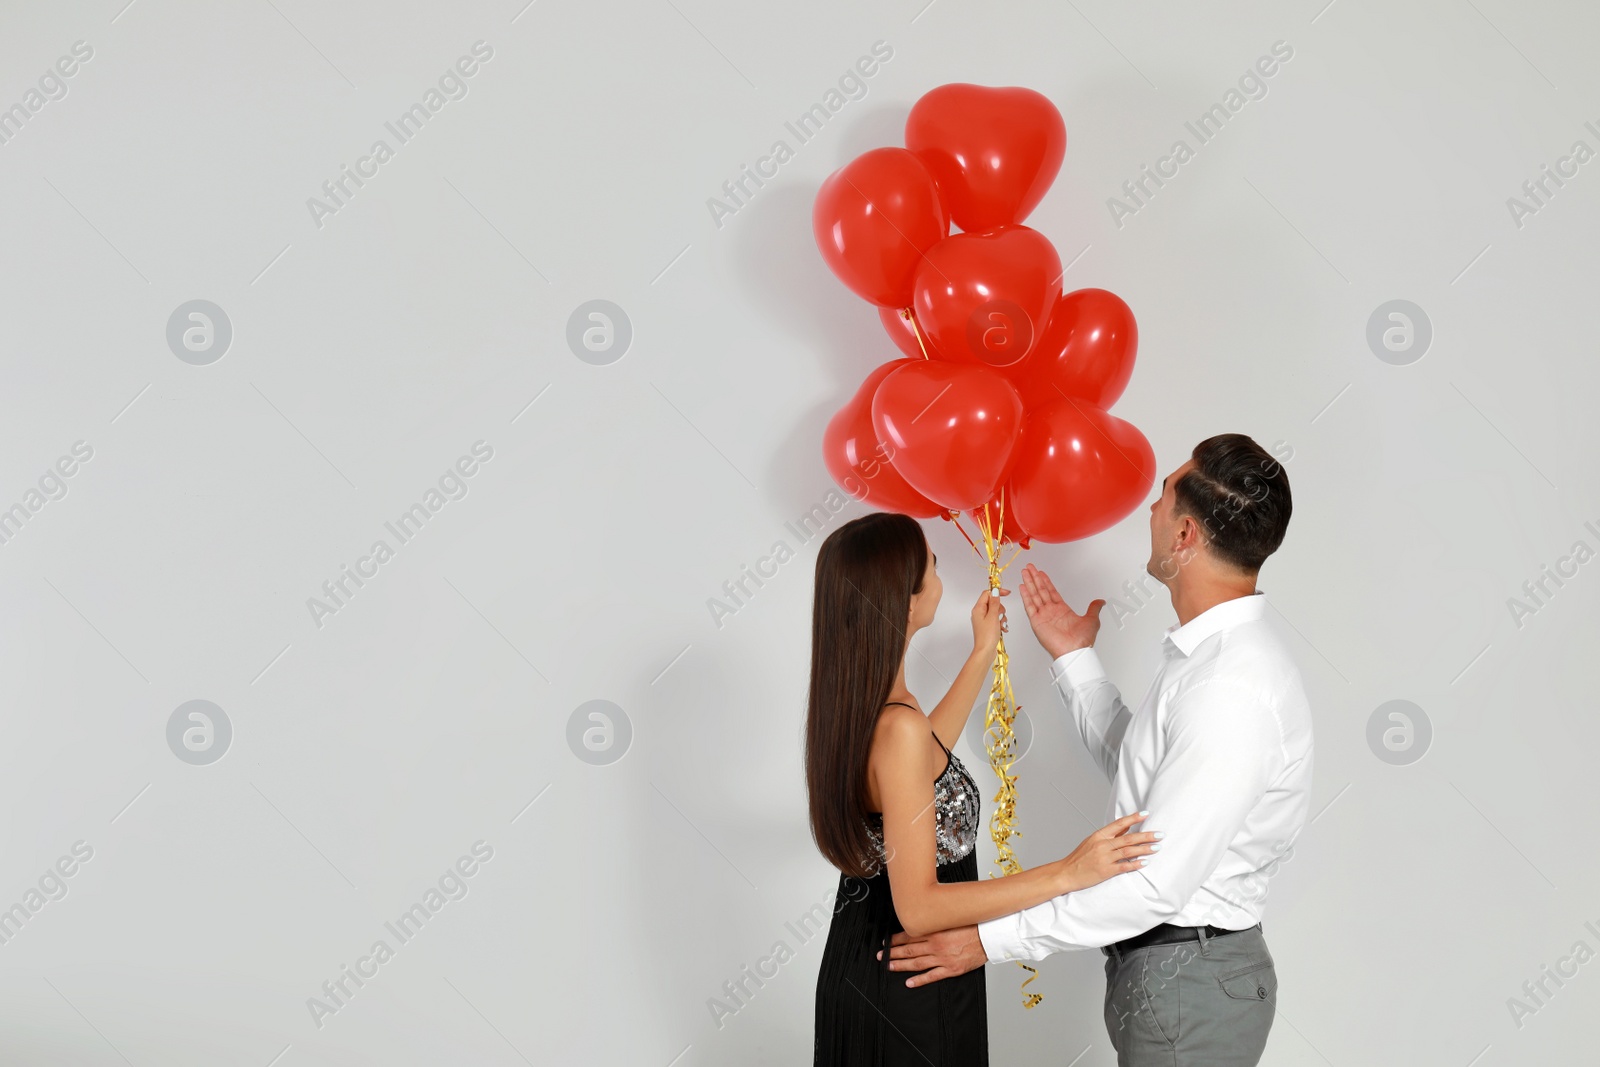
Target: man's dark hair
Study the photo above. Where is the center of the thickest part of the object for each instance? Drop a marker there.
(1240, 494)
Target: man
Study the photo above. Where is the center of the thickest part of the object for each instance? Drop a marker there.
(1219, 755)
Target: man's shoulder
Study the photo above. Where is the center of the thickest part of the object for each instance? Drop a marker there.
(1252, 654)
(1253, 662)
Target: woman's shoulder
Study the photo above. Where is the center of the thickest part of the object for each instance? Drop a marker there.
(901, 731)
(900, 720)
(901, 752)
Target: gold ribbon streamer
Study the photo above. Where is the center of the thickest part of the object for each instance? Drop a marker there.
(999, 738)
(916, 328)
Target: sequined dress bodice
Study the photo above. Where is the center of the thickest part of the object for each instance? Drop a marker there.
(955, 810)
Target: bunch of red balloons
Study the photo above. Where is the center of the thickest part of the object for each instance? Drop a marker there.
(1006, 382)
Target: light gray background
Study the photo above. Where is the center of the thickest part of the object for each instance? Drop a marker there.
(431, 712)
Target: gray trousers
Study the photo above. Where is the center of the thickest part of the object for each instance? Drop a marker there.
(1196, 1004)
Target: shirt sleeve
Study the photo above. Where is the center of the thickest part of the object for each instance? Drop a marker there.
(1222, 744)
(1095, 704)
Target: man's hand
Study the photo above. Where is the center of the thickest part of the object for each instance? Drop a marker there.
(941, 955)
(1059, 629)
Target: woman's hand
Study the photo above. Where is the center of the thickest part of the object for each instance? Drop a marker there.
(988, 624)
(1111, 850)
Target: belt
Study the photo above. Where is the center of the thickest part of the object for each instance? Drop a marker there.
(1167, 934)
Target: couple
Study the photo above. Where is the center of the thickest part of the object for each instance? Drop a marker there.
(1210, 778)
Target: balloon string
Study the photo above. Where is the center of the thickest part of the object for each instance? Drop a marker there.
(905, 313)
(955, 517)
(999, 734)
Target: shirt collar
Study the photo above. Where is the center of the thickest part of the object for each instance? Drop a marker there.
(1216, 619)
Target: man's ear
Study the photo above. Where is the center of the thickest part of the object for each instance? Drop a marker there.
(1188, 539)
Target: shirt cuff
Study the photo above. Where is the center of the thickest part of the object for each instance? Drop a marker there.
(999, 937)
(1077, 668)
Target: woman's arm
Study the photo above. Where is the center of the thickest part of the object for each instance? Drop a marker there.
(950, 716)
(904, 766)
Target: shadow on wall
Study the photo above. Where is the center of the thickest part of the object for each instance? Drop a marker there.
(783, 275)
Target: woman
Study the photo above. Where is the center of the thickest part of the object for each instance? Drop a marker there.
(892, 806)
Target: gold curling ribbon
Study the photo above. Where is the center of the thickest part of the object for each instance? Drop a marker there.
(916, 328)
(998, 736)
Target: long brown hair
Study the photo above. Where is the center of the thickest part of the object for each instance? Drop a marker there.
(867, 571)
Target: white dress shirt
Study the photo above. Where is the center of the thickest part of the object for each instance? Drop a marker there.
(1219, 754)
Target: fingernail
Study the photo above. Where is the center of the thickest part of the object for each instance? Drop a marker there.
(1160, 834)
(1144, 813)
(1155, 848)
(880, 955)
(1143, 862)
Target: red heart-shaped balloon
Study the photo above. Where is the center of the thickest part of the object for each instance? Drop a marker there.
(986, 297)
(860, 464)
(993, 151)
(1077, 471)
(1087, 351)
(949, 428)
(873, 218)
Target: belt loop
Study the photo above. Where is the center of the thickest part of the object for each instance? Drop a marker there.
(1205, 940)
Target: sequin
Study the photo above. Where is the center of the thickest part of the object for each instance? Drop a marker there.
(955, 811)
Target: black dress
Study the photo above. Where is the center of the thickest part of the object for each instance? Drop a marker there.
(865, 1014)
